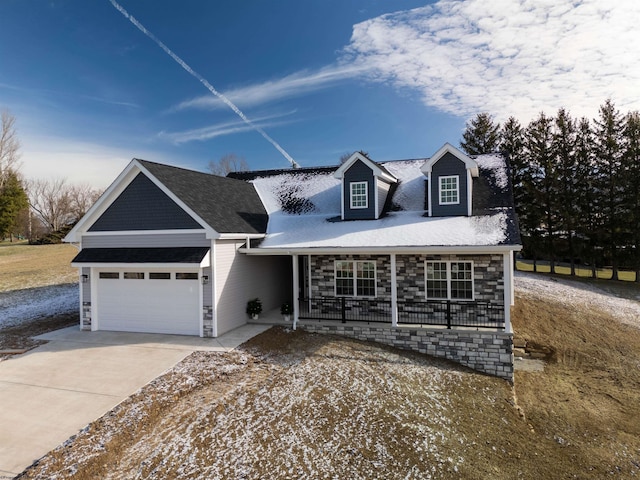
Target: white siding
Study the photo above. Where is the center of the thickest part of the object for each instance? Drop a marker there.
(383, 189)
(146, 240)
(240, 278)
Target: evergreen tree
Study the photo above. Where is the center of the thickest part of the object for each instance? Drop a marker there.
(608, 156)
(512, 147)
(564, 146)
(481, 135)
(632, 186)
(13, 200)
(543, 211)
(587, 217)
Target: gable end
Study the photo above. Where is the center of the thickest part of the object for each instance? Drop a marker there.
(143, 206)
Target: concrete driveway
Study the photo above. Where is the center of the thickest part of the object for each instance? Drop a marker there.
(53, 391)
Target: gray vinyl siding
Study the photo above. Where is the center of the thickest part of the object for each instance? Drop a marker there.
(146, 240)
(359, 172)
(239, 278)
(383, 191)
(143, 206)
(446, 166)
(86, 287)
(207, 298)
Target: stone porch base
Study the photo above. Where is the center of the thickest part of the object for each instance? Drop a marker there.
(485, 351)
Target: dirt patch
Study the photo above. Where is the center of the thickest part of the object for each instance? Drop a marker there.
(20, 336)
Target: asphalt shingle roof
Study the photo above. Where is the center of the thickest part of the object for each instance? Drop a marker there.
(141, 255)
(226, 204)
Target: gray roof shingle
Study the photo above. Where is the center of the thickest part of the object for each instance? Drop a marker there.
(226, 204)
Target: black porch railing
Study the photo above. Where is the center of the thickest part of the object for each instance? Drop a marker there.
(444, 313)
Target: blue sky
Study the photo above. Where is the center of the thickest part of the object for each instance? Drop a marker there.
(397, 78)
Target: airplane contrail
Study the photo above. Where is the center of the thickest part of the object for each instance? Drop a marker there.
(204, 81)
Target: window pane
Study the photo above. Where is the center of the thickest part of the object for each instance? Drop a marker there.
(448, 190)
(186, 276)
(437, 280)
(366, 279)
(160, 276)
(344, 278)
(134, 275)
(109, 275)
(359, 195)
(461, 280)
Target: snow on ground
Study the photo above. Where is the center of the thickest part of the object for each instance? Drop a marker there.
(19, 306)
(571, 292)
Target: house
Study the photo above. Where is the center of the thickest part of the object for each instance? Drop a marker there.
(415, 253)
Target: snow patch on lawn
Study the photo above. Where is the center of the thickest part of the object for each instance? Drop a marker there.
(571, 292)
(20, 306)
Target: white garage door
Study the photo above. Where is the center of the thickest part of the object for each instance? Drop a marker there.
(149, 301)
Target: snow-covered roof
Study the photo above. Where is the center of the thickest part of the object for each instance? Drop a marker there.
(304, 210)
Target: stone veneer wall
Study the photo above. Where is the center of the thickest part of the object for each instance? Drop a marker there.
(484, 351)
(86, 316)
(207, 321)
(410, 275)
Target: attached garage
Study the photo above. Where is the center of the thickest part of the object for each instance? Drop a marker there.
(152, 290)
(154, 301)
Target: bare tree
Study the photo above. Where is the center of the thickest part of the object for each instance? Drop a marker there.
(51, 201)
(228, 163)
(9, 146)
(347, 155)
(83, 196)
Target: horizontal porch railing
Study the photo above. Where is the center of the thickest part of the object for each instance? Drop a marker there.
(444, 313)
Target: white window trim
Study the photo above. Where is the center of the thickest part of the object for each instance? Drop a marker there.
(448, 263)
(366, 195)
(446, 177)
(354, 266)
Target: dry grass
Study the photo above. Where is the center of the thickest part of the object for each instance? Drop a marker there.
(27, 266)
(581, 270)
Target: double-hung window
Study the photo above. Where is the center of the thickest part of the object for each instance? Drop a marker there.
(449, 280)
(359, 195)
(355, 278)
(449, 190)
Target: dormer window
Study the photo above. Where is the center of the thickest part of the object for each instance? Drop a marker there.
(359, 195)
(449, 190)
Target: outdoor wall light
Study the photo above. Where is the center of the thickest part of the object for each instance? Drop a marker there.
(85, 278)
(205, 279)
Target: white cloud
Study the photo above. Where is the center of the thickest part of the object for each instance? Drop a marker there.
(293, 85)
(506, 56)
(221, 129)
(78, 162)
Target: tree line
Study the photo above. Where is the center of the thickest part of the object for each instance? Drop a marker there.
(34, 208)
(576, 184)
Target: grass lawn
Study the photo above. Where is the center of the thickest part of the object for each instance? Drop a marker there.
(581, 271)
(27, 266)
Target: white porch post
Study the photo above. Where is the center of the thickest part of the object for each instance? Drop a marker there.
(508, 288)
(394, 292)
(296, 290)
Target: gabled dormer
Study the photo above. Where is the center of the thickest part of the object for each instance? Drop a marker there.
(449, 175)
(364, 189)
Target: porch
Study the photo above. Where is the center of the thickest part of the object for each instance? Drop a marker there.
(439, 314)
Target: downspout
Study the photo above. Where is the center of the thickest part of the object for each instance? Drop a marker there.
(394, 292)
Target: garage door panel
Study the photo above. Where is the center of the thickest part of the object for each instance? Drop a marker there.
(149, 305)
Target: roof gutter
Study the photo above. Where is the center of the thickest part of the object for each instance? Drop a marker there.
(467, 250)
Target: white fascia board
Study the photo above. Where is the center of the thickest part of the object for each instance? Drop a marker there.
(377, 172)
(470, 163)
(435, 250)
(239, 236)
(98, 208)
(142, 266)
(142, 232)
